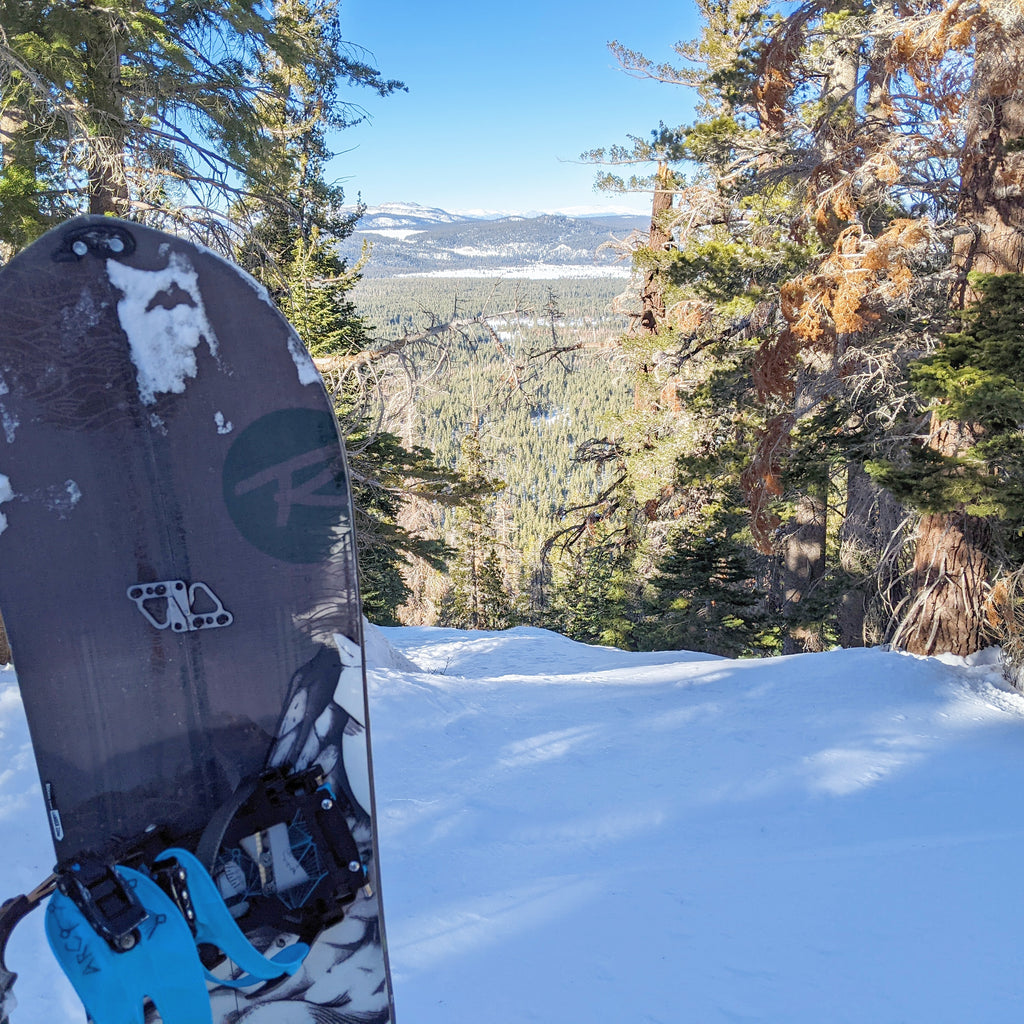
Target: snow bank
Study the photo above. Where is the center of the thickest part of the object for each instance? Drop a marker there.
(577, 834)
(380, 653)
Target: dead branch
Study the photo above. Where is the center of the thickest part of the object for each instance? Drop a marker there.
(367, 357)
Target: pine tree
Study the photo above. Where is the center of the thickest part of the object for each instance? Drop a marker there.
(706, 596)
(476, 580)
(955, 560)
(831, 174)
(496, 601)
(150, 111)
(594, 600)
(975, 379)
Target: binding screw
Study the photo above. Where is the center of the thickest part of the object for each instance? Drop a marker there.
(327, 803)
(126, 942)
(354, 865)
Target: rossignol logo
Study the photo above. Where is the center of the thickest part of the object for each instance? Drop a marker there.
(285, 485)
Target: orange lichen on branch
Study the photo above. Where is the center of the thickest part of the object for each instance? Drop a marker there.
(770, 95)
(775, 365)
(846, 304)
(852, 284)
(922, 50)
(846, 295)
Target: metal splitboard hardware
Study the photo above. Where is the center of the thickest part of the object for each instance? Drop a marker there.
(178, 606)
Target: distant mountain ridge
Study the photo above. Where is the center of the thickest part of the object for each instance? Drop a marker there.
(410, 239)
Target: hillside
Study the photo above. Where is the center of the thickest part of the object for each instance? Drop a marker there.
(528, 433)
(409, 239)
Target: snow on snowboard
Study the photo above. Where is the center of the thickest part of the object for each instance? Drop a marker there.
(178, 581)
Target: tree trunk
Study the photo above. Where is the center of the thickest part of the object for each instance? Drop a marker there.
(803, 555)
(950, 581)
(108, 179)
(803, 565)
(858, 542)
(992, 167)
(12, 123)
(652, 299)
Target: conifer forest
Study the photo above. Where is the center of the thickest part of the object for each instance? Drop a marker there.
(799, 423)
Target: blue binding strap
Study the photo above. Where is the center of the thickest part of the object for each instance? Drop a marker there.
(163, 965)
(215, 925)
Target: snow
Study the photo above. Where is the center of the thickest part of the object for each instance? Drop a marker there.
(162, 314)
(10, 424)
(6, 494)
(399, 213)
(535, 272)
(580, 834)
(414, 210)
(308, 373)
(401, 234)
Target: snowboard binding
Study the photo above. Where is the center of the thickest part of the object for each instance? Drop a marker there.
(283, 853)
(284, 859)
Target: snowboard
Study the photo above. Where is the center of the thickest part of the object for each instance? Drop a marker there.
(178, 581)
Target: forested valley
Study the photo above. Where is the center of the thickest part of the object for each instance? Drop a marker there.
(508, 403)
(801, 423)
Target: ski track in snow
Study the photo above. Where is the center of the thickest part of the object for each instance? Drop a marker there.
(580, 835)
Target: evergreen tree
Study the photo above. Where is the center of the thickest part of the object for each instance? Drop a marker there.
(818, 225)
(497, 605)
(384, 473)
(595, 600)
(706, 596)
(149, 110)
(974, 380)
(476, 597)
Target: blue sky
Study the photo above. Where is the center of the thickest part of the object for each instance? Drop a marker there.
(503, 98)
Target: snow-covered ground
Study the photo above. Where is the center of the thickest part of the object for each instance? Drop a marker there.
(578, 835)
(533, 272)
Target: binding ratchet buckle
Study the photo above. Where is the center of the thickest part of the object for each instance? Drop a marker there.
(112, 909)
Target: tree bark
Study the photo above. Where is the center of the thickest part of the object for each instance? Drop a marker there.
(950, 577)
(858, 542)
(12, 123)
(803, 565)
(992, 167)
(108, 179)
(803, 554)
(950, 581)
(652, 299)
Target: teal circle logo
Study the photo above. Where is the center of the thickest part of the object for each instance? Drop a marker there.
(285, 485)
